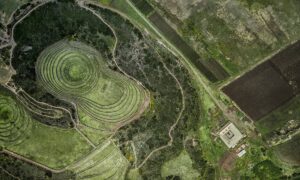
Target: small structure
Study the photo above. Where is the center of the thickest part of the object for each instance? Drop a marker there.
(230, 135)
(241, 153)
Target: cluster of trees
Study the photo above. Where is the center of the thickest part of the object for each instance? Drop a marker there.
(19, 13)
(26, 171)
(137, 55)
(44, 26)
(4, 56)
(141, 57)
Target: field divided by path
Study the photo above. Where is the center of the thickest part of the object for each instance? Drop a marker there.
(50, 146)
(73, 72)
(269, 85)
(211, 69)
(106, 162)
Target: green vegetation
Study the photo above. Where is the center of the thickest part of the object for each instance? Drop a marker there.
(25, 170)
(65, 21)
(211, 120)
(143, 6)
(107, 162)
(8, 7)
(266, 170)
(238, 33)
(129, 12)
(97, 136)
(44, 143)
(289, 152)
(233, 52)
(209, 30)
(149, 63)
(27, 137)
(72, 65)
(4, 56)
(15, 123)
(279, 117)
(134, 174)
(77, 73)
(181, 166)
(47, 25)
(255, 153)
(105, 2)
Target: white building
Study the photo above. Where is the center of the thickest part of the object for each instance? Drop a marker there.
(230, 135)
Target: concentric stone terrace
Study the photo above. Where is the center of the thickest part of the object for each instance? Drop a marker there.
(77, 73)
(67, 71)
(14, 122)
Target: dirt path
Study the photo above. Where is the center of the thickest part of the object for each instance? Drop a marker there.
(170, 143)
(16, 91)
(142, 109)
(198, 77)
(32, 162)
(146, 102)
(177, 81)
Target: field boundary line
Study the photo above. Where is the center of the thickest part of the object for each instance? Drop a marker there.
(85, 137)
(89, 155)
(18, 156)
(197, 76)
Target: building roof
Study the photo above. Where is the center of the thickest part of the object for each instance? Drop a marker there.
(241, 153)
(230, 135)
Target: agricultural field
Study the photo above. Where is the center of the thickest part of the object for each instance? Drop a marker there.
(279, 118)
(107, 162)
(236, 33)
(24, 136)
(280, 130)
(256, 93)
(76, 73)
(289, 152)
(210, 68)
(143, 6)
(132, 89)
(157, 72)
(273, 106)
(15, 122)
(97, 92)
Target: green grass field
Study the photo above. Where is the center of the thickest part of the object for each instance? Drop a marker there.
(279, 117)
(106, 162)
(289, 152)
(53, 147)
(15, 123)
(50, 146)
(180, 166)
(129, 12)
(75, 72)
